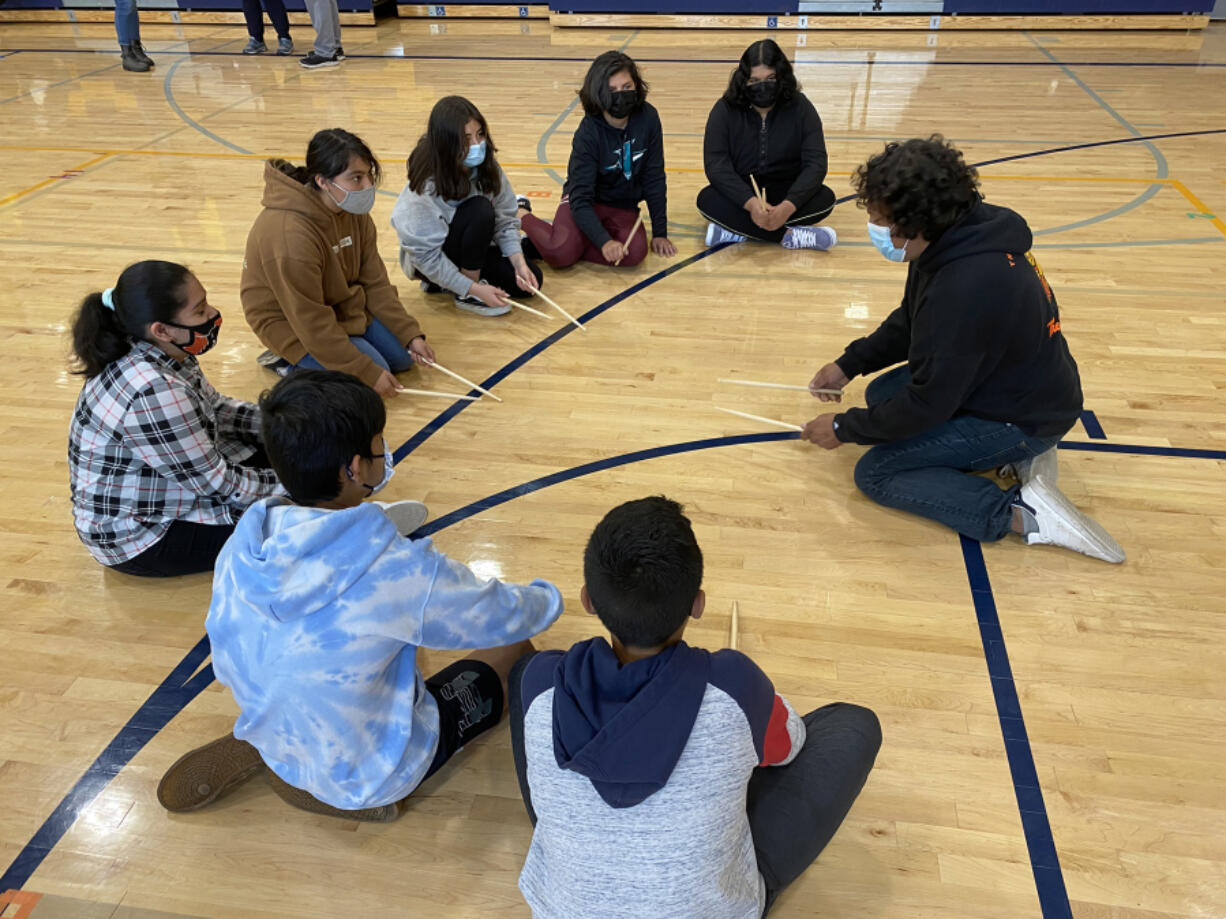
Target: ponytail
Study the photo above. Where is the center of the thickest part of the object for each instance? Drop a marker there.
(145, 293)
(328, 155)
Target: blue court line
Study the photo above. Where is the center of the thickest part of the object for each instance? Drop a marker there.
(730, 61)
(1093, 429)
(1142, 450)
(1044, 860)
(170, 698)
(436, 424)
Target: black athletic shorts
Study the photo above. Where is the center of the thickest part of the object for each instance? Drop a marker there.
(469, 698)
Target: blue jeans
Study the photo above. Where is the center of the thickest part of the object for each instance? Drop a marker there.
(379, 344)
(930, 474)
(127, 22)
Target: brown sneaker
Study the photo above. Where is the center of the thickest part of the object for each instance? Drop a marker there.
(206, 773)
(308, 802)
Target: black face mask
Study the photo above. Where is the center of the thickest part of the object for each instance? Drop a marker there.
(204, 335)
(623, 103)
(763, 95)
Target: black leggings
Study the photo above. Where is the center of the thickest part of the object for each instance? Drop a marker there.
(255, 21)
(470, 244)
(187, 548)
(731, 215)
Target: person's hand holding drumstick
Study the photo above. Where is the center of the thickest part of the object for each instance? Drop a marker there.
(821, 429)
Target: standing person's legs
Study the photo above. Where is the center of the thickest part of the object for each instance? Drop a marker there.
(469, 236)
(254, 17)
(326, 21)
(515, 706)
(618, 222)
(930, 474)
(382, 339)
(561, 243)
(794, 810)
(127, 22)
(187, 548)
(280, 20)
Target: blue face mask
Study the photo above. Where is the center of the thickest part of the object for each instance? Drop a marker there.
(880, 237)
(476, 155)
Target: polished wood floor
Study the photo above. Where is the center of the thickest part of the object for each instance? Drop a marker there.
(1119, 670)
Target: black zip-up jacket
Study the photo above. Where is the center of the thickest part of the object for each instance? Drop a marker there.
(786, 152)
(599, 155)
(980, 330)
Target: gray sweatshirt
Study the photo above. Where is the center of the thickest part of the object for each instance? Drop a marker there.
(422, 221)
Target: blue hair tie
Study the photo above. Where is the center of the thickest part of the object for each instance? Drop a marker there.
(108, 298)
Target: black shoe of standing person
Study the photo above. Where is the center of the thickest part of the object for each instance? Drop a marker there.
(131, 61)
(141, 55)
(313, 61)
(340, 53)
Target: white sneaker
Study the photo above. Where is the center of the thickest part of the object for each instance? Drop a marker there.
(1061, 524)
(819, 238)
(406, 515)
(1044, 466)
(473, 305)
(717, 234)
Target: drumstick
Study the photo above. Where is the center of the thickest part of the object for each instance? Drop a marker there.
(546, 298)
(757, 191)
(451, 373)
(529, 309)
(441, 395)
(732, 632)
(782, 424)
(828, 392)
(629, 236)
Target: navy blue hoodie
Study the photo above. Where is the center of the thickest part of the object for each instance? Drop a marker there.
(617, 167)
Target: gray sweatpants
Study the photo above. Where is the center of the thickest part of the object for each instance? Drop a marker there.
(326, 19)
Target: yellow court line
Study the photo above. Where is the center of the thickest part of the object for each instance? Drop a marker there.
(45, 182)
(1199, 205)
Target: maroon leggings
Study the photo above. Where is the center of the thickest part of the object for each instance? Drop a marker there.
(563, 243)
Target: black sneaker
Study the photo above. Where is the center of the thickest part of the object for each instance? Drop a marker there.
(314, 61)
(340, 53)
(274, 362)
(524, 203)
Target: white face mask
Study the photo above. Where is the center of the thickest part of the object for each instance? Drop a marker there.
(389, 470)
(355, 202)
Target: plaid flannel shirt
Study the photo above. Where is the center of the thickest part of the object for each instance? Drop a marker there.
(151, 443)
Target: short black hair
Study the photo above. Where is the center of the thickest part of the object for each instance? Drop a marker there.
(768, 54)
(923, 186)
(314, 422)
(643, 570)
(595, 94)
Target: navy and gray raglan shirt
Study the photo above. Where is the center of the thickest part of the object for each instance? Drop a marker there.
(637, 775)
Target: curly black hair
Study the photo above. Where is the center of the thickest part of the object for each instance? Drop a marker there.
(767, 53)
(923, 187)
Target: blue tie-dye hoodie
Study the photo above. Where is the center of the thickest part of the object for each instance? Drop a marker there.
(315, 623)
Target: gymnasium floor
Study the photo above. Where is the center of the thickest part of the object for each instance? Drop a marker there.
(1054, 726)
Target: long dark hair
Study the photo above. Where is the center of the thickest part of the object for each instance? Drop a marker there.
(145, 293)
(440, 152)
(595, 95)
(767, 54)
(328, 155)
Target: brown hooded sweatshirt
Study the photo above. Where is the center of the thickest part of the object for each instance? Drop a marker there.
(312, 278)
